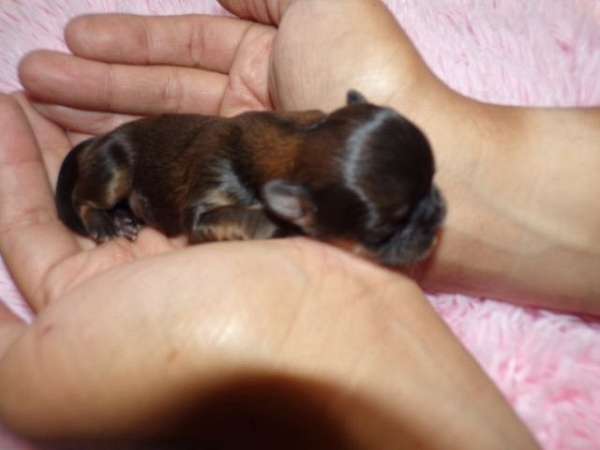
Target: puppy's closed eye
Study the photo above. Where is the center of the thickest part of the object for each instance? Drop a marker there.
(400, 214)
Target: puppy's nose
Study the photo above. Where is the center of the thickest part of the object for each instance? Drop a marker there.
(433, 210)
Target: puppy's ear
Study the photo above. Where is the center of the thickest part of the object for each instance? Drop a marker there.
(354, 97)
(291, 202)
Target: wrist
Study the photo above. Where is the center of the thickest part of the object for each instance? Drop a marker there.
(519, 226)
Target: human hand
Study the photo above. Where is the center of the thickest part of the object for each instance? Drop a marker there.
(132, 340)
(221, 65)
(504, 240)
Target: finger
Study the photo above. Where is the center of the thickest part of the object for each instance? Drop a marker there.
(11, 327)
(80, 121)
(264, 11)
(48, 136)
(54, 144)
(32, 240)
(54, 77)
(199, 41)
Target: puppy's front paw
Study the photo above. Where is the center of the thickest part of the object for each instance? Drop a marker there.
(102, 230)
(100, 225)
(125, 224)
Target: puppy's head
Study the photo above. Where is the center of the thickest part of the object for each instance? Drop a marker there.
(381, 197)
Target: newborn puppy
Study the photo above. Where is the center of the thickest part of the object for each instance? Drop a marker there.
(360, 175)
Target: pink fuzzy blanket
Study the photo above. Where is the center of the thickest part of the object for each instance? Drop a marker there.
(526, 52)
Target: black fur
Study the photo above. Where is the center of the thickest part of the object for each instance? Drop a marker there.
(67, 180)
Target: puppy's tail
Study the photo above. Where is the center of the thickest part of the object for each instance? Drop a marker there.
(67, 179)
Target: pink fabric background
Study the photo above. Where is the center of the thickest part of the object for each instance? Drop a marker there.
(522, 52)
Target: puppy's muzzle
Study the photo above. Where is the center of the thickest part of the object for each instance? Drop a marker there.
(415, 241)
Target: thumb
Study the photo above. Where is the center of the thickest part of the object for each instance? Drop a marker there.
(268, 12)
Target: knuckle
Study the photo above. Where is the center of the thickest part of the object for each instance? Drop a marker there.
(109, 84)
(199, 44)
(172, 92)
(146, 40)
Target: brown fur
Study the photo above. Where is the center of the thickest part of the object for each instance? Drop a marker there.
(361, 174)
